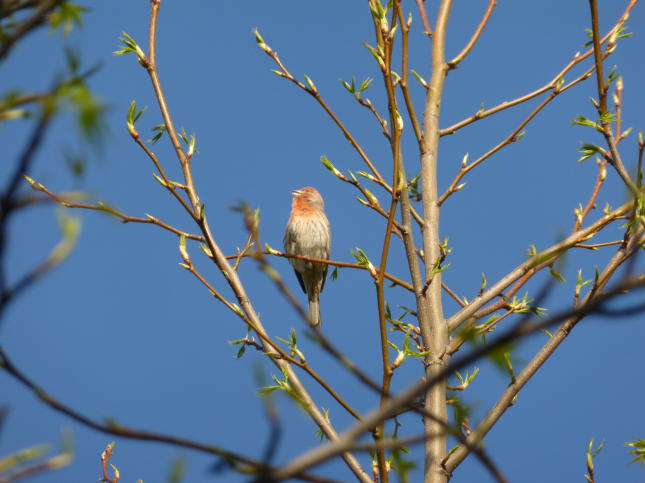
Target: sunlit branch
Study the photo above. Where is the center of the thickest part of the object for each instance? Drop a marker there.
(312, 91)
(432, 322)
(591, 302)
(222, 263)
(348, 438)
(607, 132)
(424, 17)
(405, 75)
(547, 87)
(151, 68)
(100, 206)
(512, 137)
(266, 339)
(580, 217)
(473, 40)
(545, 256)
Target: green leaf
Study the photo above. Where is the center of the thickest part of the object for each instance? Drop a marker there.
(460, 410)
(265, 391)
(134, 115)
(177, 470)
(482, 287)
(130, 46)
(421, 80)
(319, 433)
(589, 150)
(351, 88)
(311, 84)
(327, 164)
(22, 456)
(360, 256)
(334, 274)
(89, 110)
(639, 450)
(67, 14)
(557, 275)
(583, 121)
(70, 227)
(365, 84)
(613, 75)
(608, 117)
(501, 357)
(378, 55)
(160, 128)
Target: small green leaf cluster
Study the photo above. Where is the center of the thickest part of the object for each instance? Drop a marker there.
(66, 15)
(292, 343)
(523, 306)
(639, 450)
(591, 454)
(355, 90)
(281, 384)
(130, 46)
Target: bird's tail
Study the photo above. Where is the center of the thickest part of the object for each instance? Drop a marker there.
(314, 311)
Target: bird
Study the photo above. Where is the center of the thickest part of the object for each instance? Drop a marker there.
(308, 234)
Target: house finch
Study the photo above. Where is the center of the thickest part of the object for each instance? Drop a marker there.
(308, 234)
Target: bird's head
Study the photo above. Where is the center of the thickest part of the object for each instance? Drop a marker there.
(308, 197)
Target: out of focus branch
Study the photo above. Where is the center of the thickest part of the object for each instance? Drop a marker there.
(349, 437)
(592, 302)
(237, 461)
(36, 19)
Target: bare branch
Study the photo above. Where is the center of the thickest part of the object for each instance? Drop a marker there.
(551, 85)
(236, 460)
(473, 40)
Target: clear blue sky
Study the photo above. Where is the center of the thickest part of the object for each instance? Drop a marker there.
(121, 331)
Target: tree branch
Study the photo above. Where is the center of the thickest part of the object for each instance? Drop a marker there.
(506, 399)
(236, 460)
(434, 329)
(473, 40)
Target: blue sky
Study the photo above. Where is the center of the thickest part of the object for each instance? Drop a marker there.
(121, 331)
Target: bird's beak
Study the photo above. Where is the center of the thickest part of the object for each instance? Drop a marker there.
(296, 192)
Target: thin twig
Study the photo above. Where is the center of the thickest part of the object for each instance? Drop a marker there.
(615, 160)
(38, 18)
(593, 299)
(551, 85)
(424, 17)
(595, 246)
(347, 439)
(385, 43)
(100, 206)
(542, 258)
(219, 259)
(473, 40)
(580, 217)
(405, 75)
(105, 459)
(283, 72)
(333, 263)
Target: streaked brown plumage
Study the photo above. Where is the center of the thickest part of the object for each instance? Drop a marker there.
(308, 234)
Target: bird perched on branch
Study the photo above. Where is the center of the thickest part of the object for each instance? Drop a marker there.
(308, 234)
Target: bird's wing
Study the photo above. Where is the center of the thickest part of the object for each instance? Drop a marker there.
(324, 277)
(302, 284)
